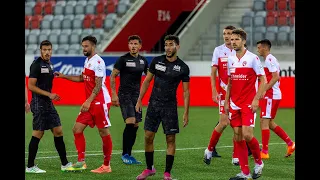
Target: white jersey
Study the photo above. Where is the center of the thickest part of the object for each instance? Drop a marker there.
(271, 65)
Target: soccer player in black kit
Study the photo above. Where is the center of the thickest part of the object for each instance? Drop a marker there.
(168, 71)
(45, 116)
(130, 66)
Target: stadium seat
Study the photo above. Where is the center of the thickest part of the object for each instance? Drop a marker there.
(292, 18)
(38, 8)
(56, 21)
(33, 39)
(292, 35)
(247, 19)
(31, 48)
(98, 20)
(75, 47)
(28, 9)
(75, 36)
(79, 7)
(27, 21)
(283, 18)
(35, 21)
(62, 49)
(271, 18)
(121, 8)
(77, 21)
(259, 18)
(53, 38)
(87, 21)
(270, 5)
(271, 34)
(100, 7)
(258, 5)
(111, 7)
(90, 8)
(59, 7)
(69, 8)
(67, 21)
(282, 5)
(49, 7)
(86, 32)
(259, 33)
(292, 5)
(44, 33)
(283, 35)
(26, 34)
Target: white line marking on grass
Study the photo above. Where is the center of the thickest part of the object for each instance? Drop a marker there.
(136, 151)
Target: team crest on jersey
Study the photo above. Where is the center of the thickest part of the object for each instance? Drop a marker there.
(244, 63)
(176, 68)
(89, 65)
(141, 61)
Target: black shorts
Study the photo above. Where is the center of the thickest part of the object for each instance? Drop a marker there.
(128, 107)
(45, 116)
(167, 115)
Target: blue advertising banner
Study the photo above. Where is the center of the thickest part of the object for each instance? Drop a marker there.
(73, 65)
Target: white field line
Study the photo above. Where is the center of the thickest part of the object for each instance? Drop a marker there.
(99, 153)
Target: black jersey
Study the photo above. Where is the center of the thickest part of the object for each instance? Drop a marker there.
(131, 69)
(43, 71)
(167, 76)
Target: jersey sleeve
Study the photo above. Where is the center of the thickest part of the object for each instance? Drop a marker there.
(100, 68)
(186, 74)
(229, 66)
(145, 70)
(152, 68)
(215, 58)
(257, 66)
(119, 64)
(271, 64)
(35, 70)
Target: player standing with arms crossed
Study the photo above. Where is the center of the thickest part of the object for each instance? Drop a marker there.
(130, 66)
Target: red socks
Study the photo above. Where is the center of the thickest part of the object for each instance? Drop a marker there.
(283, 135)
(80, 143)
(255, 149)
(265, 140)
(242, 152)
(107, 149)
(214, 140)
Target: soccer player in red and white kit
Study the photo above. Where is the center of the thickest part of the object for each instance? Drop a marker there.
(242, 101)
(219, 64)
(95, 110)
(270, 103)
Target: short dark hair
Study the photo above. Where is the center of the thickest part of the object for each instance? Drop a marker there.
(90, 38)
(240, 32)
(230, 27)
(173, 38)
(45, 43)
(135, 37)
(265, 42)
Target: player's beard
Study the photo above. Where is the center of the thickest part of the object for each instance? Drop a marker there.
(87, 53)
(172, 54)
(45, 57)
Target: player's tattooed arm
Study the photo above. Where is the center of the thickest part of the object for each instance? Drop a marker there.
(114, 74)
(96, 89)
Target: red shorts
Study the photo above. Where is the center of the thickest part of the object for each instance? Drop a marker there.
(269, 108)
(98, 115)
(242, 117)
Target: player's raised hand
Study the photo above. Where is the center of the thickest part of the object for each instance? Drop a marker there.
(54, 96)
(254, 105)
(115, 100)
(139, 106)
(185, 119)
(58, 74)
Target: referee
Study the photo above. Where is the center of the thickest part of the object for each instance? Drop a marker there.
(45, 116)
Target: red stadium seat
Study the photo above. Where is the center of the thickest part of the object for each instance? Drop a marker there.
(270, 5)
(111, 8)
(98, 20)
(27, 20)
(100, 7)
(35, 21)
(292, 18)
(87, 21)
(38, 8)
(271, 18)
(292, 5)
(49, 7)
(282, 5)
(283, 18)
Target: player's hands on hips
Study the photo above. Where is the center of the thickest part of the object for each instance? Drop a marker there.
(85, 106)
(254, 105)
(27, 107)
(115, 100)
(185, 119)
(54, 96)
(215, 96)
(226, 108)
(58, 74)
(139, 106)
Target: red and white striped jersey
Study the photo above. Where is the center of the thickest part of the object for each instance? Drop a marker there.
(95, 67)
(271, 65)
(244, 75)
(220, 60)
